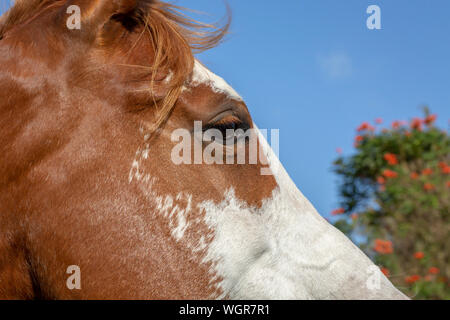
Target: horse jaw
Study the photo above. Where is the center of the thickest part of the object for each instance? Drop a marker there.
(286, 250)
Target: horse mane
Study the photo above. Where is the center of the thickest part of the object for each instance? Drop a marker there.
(175, 37)
(21, 11)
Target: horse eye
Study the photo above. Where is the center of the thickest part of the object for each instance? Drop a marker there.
(231, 128)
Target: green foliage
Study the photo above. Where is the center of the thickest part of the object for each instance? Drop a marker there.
(396, 189)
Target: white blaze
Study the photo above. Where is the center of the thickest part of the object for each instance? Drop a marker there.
(286, 250)
(202, 75)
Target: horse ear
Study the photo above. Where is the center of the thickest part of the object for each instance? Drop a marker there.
(93, 14)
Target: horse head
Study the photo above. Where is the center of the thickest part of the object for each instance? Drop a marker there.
(104, 113)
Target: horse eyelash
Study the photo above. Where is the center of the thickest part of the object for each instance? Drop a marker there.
(232, 122)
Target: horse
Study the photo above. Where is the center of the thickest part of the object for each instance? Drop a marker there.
(88, 188)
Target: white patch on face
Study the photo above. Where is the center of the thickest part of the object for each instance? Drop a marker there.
(285, 249)
(202, 75)
(176, 210)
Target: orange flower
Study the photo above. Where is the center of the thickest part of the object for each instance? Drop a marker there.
(444, 167)
(365, 126)
(427, 171)
(359, 138)
(378, 121)
(447, 184)
(408, 134)
(338, 211)
(339, 150)
(391, 158)
(430, 119)
(419, 255)
(412, 279)
(433, 270)
(396, 124)
(354, 216)
(385, 271)
(414, 175)
(428, 186)
(445, 170)
(416, 124)
(383, 246)
(381, 180)
(389, 173)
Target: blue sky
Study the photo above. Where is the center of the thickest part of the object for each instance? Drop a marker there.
(312, 69)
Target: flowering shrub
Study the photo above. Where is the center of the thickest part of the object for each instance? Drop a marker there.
(395, 202)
